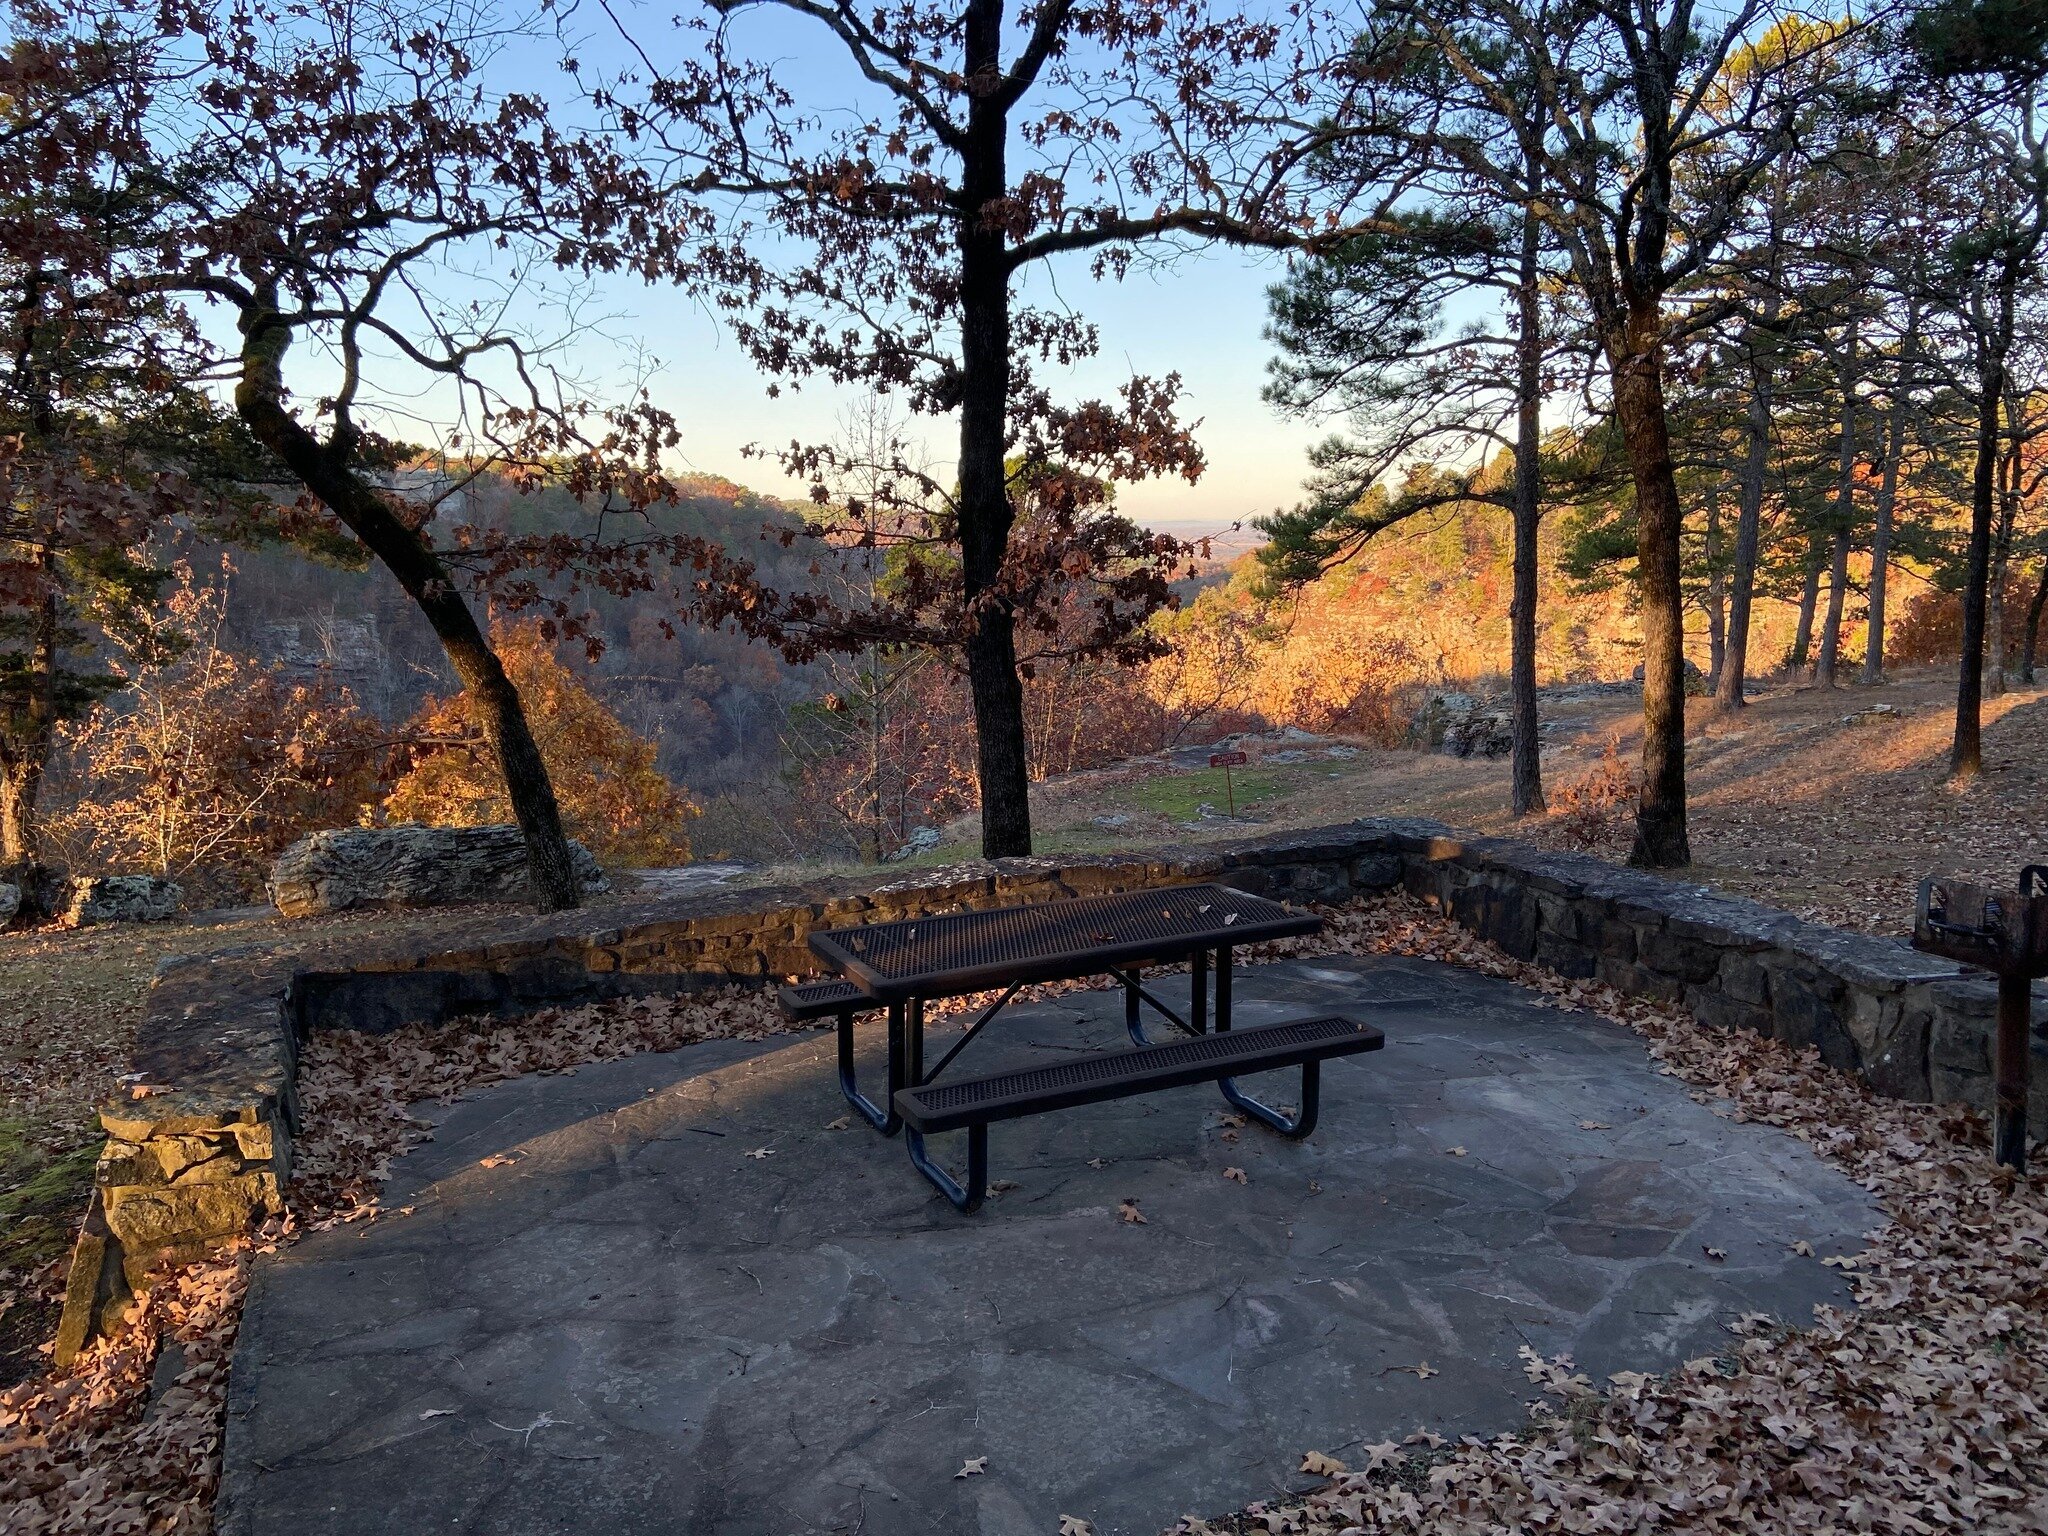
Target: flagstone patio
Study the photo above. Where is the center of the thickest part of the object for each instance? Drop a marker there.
(688, 1303)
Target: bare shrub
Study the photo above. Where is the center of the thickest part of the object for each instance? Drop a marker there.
(1589, 809)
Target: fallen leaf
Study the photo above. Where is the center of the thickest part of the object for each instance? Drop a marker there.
(1316, 1464)
(1428, 1437)
(437, 1413)
(1595, 1125)
(1237, 1175)
(761, 1153)
(1455, 1151)
(1803, 1248)
(1381, 1455)
(975, 1466)
(1128, 1209)
(840, 1124)
(1002, 1186)
(1071, 1526)
(497, 1160)
(1098, 1162)
(1716, 1254)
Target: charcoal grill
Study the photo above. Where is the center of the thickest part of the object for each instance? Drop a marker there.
(2006, 933)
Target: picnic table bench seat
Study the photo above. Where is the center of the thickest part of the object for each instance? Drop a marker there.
(975, 1103)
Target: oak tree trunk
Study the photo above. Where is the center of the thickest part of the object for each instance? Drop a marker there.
(1966, 751)
(1001, 755)
(1527, 767)
(1635, 365)
(324, 470)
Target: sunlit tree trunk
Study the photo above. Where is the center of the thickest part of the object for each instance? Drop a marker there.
(25, 742)
(1636, 368)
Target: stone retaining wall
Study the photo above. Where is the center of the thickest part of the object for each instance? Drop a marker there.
(202, 1142)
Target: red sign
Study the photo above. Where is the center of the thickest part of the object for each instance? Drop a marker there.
(1227, 759)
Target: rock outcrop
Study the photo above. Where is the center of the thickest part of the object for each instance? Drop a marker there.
(1460, 725)
(409, 866)
(121, 899)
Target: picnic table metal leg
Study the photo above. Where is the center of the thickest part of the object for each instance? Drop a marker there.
(1198, 992)
(965, 1196)
(1132, 998)
(882, 1117)
(1293, 1127)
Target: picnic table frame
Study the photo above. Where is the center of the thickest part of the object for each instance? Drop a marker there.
(903, 965)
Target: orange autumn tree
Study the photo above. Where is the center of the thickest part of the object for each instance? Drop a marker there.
(613, 798)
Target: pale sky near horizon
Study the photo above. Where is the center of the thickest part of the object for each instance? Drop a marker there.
(1201, 317)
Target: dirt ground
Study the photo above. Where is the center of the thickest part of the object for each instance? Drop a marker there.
(1810, 799)
(1806, 799)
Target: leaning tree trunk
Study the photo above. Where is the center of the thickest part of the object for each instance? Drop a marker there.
(1527, 769)
(1001, 755)
(1635, 364)
(259, 399)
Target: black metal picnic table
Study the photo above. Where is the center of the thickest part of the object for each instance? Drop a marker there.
(901, 966)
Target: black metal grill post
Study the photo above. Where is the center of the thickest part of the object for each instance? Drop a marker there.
(2006, 933)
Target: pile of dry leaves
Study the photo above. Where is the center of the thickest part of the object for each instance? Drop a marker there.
(1925, 1409)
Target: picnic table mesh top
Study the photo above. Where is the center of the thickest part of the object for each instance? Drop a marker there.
(1056, 931)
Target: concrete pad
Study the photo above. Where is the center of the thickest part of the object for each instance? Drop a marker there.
(637, 1327)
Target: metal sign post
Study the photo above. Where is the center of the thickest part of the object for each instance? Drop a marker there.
(1226, 761)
